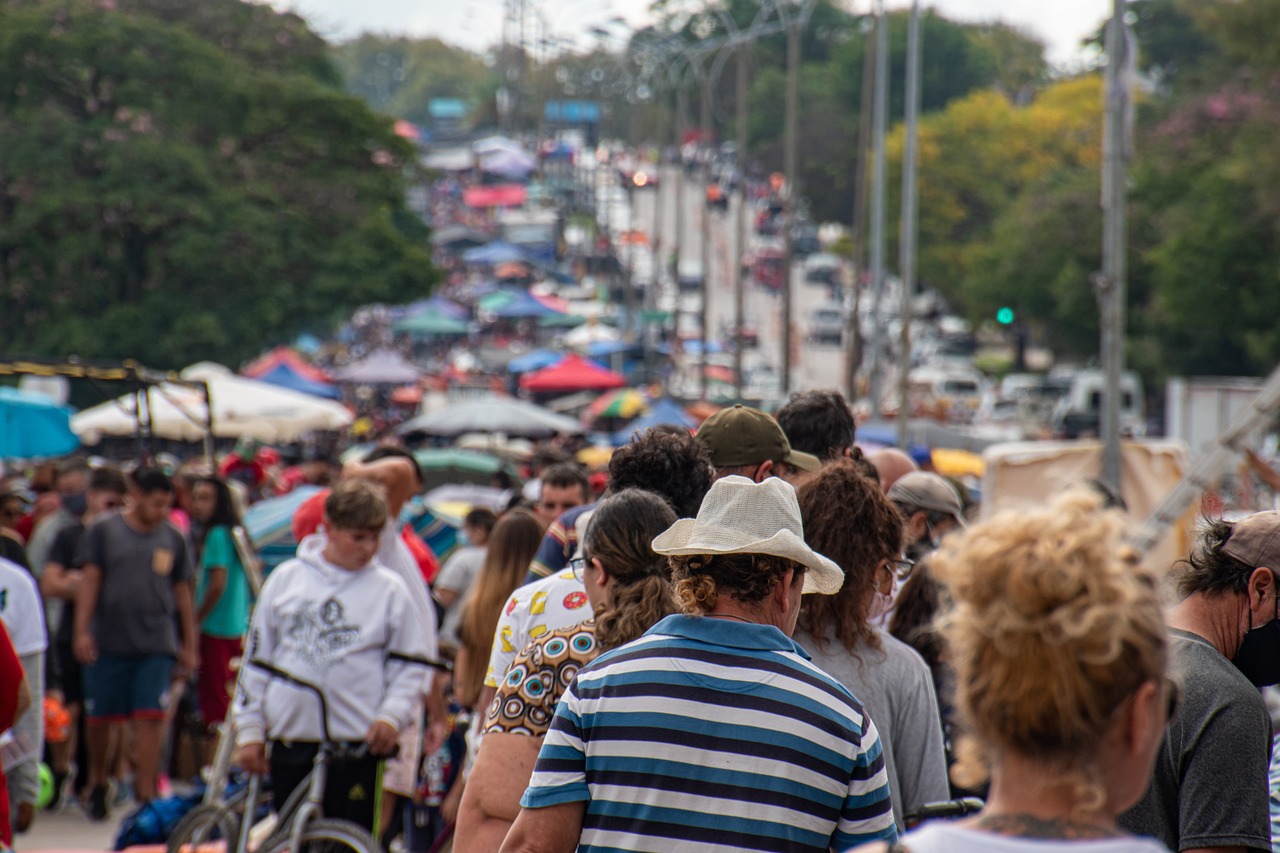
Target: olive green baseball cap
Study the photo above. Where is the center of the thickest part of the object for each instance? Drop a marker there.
(741, 435)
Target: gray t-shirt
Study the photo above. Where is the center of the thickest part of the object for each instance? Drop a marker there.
(136, 610)
(1209, 787)
(458, 574)
(894, 685)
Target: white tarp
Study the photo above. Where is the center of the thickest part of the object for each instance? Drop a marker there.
(241, 407)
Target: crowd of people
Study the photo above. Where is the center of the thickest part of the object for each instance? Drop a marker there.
(754, 638)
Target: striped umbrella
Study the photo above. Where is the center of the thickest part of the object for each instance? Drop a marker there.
(622, 403)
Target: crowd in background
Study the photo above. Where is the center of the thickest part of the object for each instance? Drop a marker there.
(755, 637)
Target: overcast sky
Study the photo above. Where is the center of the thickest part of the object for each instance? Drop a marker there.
(476, 24)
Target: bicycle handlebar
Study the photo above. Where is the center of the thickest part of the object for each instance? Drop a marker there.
(945, 809)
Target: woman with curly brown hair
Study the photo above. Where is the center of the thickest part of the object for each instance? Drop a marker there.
(1059, 646)
(849, 519)
(626, 583)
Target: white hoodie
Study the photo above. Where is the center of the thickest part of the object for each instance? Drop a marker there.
(333, 628)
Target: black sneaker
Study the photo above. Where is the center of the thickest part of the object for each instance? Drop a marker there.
(59, 783)
(97, 806)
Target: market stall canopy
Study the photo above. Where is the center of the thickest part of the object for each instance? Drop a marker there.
(241, 407)
(574, 373)
(497, 252)
(536, 360)
(457, 236)
(431, 322)
(495, 195)
(33, 426)
(380, 367)
(284, 376)
(491, 414)
(593, 332)
(442, 466)
(504, 157)
(288, 357)
(664, 412)
(515, 305)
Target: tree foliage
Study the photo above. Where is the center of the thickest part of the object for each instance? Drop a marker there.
(175, 188)
(400, 76)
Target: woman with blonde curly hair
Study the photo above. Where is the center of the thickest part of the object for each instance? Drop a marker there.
(626, 583)
(848, 518)
(1059, 646)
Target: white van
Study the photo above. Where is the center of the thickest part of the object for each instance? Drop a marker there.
(1079, 413)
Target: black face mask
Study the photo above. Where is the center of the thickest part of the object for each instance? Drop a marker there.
(1259, 654)
(76, 504)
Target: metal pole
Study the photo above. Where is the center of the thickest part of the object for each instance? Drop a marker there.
(736, 257)
(907, 238)
(860, 212)
(679, 237)
(704, 134)
(789, 167)
(1111, 295)
(877, 201)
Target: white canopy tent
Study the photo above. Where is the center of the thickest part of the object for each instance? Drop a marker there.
(241, 407)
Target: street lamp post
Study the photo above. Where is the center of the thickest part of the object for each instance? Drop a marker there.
(907, 240)
(877, 202)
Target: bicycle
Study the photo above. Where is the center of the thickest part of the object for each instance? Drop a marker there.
(299, 824)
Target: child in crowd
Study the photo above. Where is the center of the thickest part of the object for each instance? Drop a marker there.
(335, 618)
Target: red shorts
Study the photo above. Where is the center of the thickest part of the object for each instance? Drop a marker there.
(216, 682)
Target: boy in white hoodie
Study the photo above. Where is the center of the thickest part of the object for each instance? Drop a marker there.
(340, 620)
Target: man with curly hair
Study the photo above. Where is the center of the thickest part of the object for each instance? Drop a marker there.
(714, 728)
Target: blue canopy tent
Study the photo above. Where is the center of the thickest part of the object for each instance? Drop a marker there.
(286, 377)
(34, 426)
(535, 360)
(665, 412)
(521, 305)
(497, 252)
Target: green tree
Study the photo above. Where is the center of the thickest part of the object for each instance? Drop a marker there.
(166, 199)
(400, 76)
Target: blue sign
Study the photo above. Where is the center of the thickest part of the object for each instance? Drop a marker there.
(572, 112)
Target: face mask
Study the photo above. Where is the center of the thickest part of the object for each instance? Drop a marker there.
(75, 504)
(881, 603)
(1259, 654)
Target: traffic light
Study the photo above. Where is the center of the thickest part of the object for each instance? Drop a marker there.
(1004, 316)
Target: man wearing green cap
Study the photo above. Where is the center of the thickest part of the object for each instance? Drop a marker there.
(749, 443)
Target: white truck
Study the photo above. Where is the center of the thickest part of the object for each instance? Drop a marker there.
(1197, 409)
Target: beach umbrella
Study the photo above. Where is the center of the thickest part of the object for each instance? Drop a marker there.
(431, 322)
(496, 252)
(34, 426)
(380, 367)
(622, 403)
(284, 376)
(443, 466)
(535, 360)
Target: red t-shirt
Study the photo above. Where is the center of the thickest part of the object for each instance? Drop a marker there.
(309, 514)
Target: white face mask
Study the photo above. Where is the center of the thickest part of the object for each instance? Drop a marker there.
(881, 603)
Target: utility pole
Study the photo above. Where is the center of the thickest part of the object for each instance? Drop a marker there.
(679, 235)
(877, 202)
(704, 135)
(736, 257)
(1111, 285)
(907, 234)
(789, 201)
(853, 331)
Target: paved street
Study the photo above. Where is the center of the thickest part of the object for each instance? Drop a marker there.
(813, 366)
(68, 830)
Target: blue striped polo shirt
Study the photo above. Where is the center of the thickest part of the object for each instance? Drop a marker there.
(714, 735)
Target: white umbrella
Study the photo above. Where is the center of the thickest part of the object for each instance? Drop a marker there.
(241, 407)
(591, 332)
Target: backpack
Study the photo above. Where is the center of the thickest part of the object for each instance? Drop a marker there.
(154, 822)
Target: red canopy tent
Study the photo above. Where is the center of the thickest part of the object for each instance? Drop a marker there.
(575, 373)
(289, 358)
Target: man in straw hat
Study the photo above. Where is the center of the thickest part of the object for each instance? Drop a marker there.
(714, 728)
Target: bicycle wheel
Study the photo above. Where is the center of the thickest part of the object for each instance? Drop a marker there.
(324, 835)
(205, 829)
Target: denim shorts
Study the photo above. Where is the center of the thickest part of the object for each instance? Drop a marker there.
(120, 687)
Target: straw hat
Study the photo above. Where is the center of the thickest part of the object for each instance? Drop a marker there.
(741, 517)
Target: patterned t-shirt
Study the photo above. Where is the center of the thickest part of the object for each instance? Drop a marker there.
(538, 677)
(535, 610)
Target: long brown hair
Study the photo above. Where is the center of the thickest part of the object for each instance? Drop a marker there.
(848, 519)
(620, 535)
(511, 549)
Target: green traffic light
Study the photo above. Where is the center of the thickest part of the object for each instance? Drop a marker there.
(1004, 316)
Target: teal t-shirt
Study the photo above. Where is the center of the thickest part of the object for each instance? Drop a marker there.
(230, 616)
